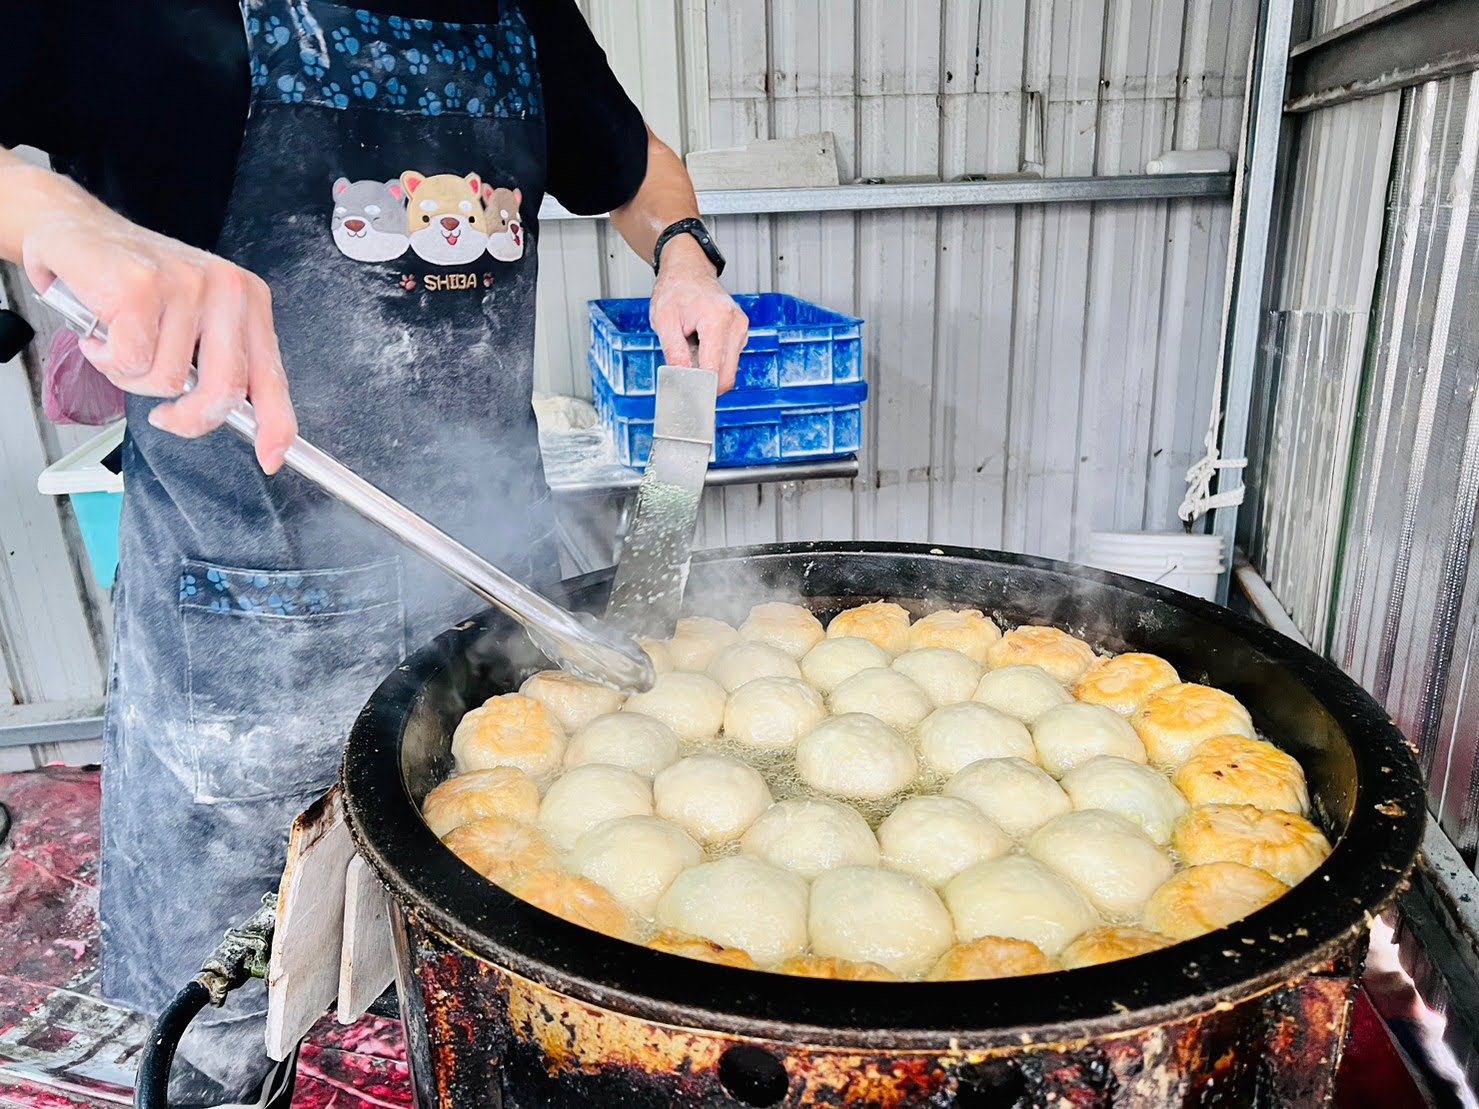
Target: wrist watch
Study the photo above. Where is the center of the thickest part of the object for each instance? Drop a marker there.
(696, 228)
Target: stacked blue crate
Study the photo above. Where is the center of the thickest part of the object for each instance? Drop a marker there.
(798, 394)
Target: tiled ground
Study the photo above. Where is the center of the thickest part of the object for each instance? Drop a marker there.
(62, 1047)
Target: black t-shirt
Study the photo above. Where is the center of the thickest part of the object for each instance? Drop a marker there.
(144, 101)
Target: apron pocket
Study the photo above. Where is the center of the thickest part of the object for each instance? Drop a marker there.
(279, 664)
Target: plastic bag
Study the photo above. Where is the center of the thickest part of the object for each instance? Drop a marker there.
(72, 390)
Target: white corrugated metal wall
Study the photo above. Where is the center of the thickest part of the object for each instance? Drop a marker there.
(1036, 372)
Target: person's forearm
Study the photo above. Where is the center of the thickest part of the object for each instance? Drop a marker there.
(666, 196)
(27, 193)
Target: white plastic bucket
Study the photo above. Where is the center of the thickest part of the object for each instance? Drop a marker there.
(1190, 563)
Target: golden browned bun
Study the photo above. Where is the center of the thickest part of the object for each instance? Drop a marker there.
(696, 640)
(1123, 683)
(1202, 899)
(578, 900)
(1176, 720)
(499, 848)
(991, 957)
(790, 627)
(675, 942)
(574, 701)
(1108, 944)
(1066, 658)
(882, 623)
(511, 730)
(1236, 770)
(818, 966)
(1282, 843)
(965, 630)
(497, 791)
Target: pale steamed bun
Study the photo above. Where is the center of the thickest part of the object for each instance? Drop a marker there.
(832, 661)
(810, 835)
(991, 957)
(1174, 721)
(790, 627)
(1018, 898)
(744, 662)
(881, 622)
(1284, 844)
(657, 653)
(1137, 793)
(690, 704)
(739, 902)
(1111, 861)
(855, 755)
(500, 849)
(1070, 735)
(953, 737)
(497, 791)
(1125, 682)
(572, 700)
(634, 858)
(1202, 899)
(509, 730)
(713, 798)
(885, 694)
(1024, 692)
(935, 838)
(947, 677)
(1063, 656)
(1110, 944)
(696, 640)
(870, 915)
(626, 739)
(588, 795)
(773, 713)
(1236, 770)
(1017, 796)
(964, 630)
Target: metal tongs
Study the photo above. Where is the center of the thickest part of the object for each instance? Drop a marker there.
(579, 643)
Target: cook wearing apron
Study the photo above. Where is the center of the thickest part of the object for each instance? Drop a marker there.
(387, 189)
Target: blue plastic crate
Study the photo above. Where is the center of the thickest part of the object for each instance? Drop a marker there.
(751, 427)
(793, 344)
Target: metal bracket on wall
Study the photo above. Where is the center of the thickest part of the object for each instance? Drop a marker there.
(1409, 42)
(56, 722)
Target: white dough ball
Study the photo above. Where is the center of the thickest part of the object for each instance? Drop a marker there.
(953, 737)
(739, 902)
(773, 713)
(935, 838)
(713, 798)
(790, 627)
(871, 915)
(1025, 692)
(1070, 735)
(691, 704)
(657, 651)
(833, 661)
(744, 662)
(855, 755)
(1017, 796)
(886, 694)
(1137, 793)
(1018, 898)
(635, 858)
(696, 640)
(810, 835)
(572, 700)
(590, 795)
(947, 677)
(1111, 861)
(626, 739)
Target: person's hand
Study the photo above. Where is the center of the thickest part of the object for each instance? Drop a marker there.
(163, 301)
(688, 301)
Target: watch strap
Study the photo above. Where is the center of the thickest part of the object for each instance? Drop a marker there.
(700, 233)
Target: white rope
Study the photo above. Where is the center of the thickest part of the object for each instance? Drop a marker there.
(1199, 496)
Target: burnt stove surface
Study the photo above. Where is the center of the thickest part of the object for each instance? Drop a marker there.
(506, 1005)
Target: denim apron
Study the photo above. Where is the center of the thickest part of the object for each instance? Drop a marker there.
(386, 191)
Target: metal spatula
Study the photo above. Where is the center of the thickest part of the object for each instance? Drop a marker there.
(579, 643)
(653, 567)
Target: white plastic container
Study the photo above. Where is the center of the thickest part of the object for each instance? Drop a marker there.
(1190, 563)
(97, 498)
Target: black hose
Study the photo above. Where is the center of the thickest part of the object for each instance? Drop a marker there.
(151, 1088)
